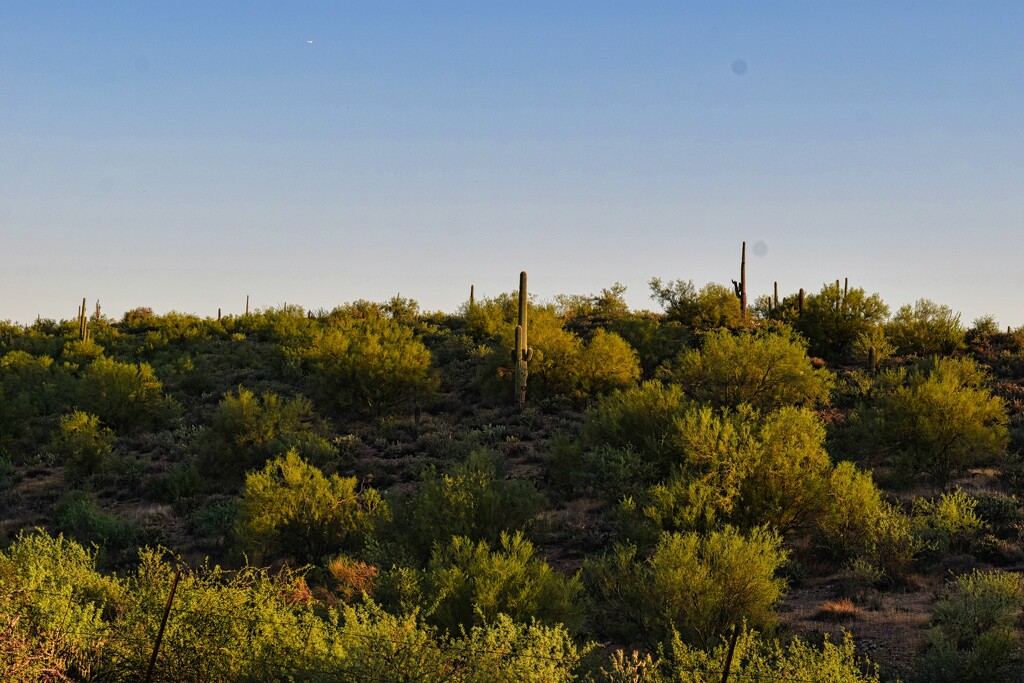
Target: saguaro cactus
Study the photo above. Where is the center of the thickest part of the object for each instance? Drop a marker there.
(83, 322)
(800, 300)
(741, 286)
(522, 353)
(472, 296)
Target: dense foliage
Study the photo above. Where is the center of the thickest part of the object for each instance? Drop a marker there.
(351, 494)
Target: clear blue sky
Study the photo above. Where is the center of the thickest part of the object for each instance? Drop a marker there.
(182, 155)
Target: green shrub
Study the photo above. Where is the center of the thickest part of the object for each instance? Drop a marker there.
(52, 608)
(66, 621)
(247, 430)
(873, 338)
(765, 370)
(973, 633)
(126, 396)
(81, 444)
(471, 584)
(712, 307)
(761, 660)
(655, 340)
(289, 508)
(947, 524)
(369, 366)
(940, 421)
(82, 519)
(742, 466)
(856, 524)
(473, 499)
(637, 418)
(925, 329)
(832, 320)
(696, 585)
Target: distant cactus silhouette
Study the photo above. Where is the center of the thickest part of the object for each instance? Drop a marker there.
(522, 353)
(741, 286)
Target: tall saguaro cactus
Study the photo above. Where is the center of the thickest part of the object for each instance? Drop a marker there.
(83, 322)
(741, 286)
(522, 353)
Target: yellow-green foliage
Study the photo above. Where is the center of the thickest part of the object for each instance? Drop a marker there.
(369, 365)
(742, 466)
(469, 584)
(765, 370)
(640, 418)
(761, 660)
(856, 523)
(563, 363)
(246, 430)
(832, 319)
(947, 523)
(939, 419)
(925, 328)
(712, 307)
(973, 634)
(697, 585)
(473, 499)
(51, 608)
(64, 621)
(127, 396)
(289, 508)
(81, 444)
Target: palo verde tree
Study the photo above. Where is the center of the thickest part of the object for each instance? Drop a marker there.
(835, 317)
(712, 307)
(938, 419)
(289, 508)
(765, 370)
(370, 365)
(924, 329)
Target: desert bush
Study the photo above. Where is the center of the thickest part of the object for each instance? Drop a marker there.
(289, 508)
(126, 396)
(31, 387)
(473, 499)
(999, 511)
(744, 467)
(757, 659)
(873, 338)
(925, 329)
(857, 525)
(695, 585)
(51, 608)
(81, 518)
(973, 633)
(81, 444)
(247, 430)
(939, 419)
(637, 418)
(563, 363)
(470, 584)
(765, 370)
(80, 353)
(947, 524)
(370, 366)
(832, 319)
(654, 339)
(712, 307)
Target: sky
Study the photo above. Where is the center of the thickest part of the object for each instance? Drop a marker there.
(185, 155)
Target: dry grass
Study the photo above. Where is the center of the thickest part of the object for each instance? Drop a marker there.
(841, 609)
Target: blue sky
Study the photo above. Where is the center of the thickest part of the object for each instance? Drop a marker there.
(183, 155)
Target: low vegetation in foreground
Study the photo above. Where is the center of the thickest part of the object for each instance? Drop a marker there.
(805, 488)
